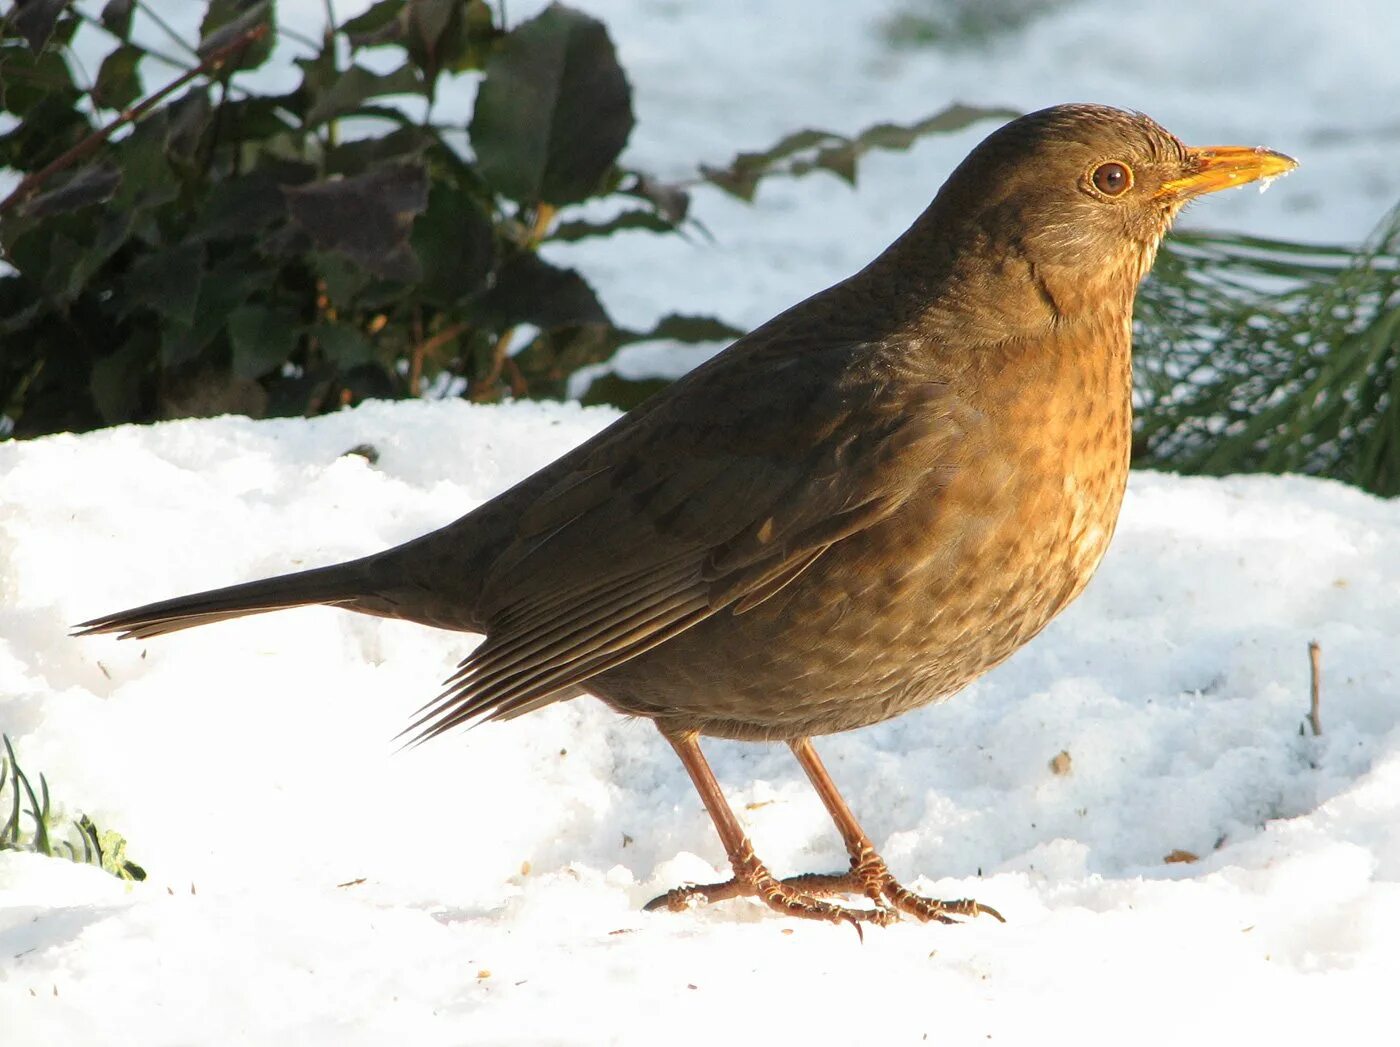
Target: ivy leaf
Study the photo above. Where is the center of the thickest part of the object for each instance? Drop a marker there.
(89, 185)
(34, 20)
(456, 245)
(366, 218)
(227, 20)
(167, 281)
(349, 91)
(116, 379)
(116, 18)
(262, 338)
(582, 230)
(343, 343)
(382, 24)
(528, 290)
(803, 152)
(118, 83)
(554, 110)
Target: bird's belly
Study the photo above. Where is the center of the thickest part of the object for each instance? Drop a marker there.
(905, 613)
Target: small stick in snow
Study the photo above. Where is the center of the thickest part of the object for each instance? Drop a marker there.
(1315, 662)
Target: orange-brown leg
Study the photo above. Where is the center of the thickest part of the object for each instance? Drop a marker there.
(751, 876)
(868, 874)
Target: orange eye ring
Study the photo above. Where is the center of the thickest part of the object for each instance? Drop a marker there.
(1112, 178)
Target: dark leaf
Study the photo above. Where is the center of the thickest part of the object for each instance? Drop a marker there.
(241, 206)
(646, 220)
(118, 83)
(360, 154)
(166, 280)
(455, 244)
(434, 35)
(806, 151)
(554, 111)
(116, 380)
(31, 81)
(189, 116)
(229, 285)
(343, 344)
(381, 24)
(116, 17)
(262, 337)
(88, 185)
(227, 20)
(682, 328)
(625, 393)
(147, 178)
(348, 92)
(528, 290)
(366, 218)
(34, 20)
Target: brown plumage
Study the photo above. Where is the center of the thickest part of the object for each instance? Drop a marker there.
(853, 511)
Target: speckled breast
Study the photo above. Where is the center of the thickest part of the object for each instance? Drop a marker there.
(911, 610)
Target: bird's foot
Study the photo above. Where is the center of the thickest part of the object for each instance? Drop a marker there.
(789, 897)
(870, 876)
(867, 876)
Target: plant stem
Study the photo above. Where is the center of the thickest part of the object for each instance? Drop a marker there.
(215, 60)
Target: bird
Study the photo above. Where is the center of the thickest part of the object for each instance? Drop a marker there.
(851, 512)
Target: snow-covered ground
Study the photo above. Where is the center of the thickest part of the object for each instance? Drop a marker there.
(309, 884)
(495, 879)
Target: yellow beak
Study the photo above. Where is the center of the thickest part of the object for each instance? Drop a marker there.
(1216, 167)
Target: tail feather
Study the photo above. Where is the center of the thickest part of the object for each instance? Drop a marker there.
(322, 585)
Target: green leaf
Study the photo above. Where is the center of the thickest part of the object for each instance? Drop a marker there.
(640, 220)
(366, 218)
(116, 380)
(262, 338)
(554, 111)
(29, 80)
(226, 20)
(34, 20)
(342, 343)
(680, 327)
(803, 152)
(455, 244)
(235, 280)
(166, 280)
(89, 185)
(240, 206)
(116, 17)
(348, 92)
(118, 82)
(381, 24)
(530, 290)
(625, 393)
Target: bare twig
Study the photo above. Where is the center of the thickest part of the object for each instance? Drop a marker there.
(215, 60)
(426, 348)
(1315, 662)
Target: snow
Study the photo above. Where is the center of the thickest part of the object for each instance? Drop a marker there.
(309, 883)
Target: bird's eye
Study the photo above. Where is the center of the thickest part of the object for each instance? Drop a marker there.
(1112, 178)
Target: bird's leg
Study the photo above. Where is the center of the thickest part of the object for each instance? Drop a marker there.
(751, 876)
(868, 874)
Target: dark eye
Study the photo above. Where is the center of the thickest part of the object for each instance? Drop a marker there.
(1112, 178)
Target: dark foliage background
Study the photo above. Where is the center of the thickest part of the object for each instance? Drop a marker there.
(207, 248)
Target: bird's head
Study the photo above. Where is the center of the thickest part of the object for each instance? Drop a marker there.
(1061, 211)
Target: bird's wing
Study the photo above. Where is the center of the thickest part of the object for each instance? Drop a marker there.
(713, 503)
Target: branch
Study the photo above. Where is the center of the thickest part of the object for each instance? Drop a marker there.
(214, 60)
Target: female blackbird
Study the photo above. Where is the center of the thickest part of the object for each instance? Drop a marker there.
(851, 512)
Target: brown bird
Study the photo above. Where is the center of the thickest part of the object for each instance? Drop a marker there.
(851, 512)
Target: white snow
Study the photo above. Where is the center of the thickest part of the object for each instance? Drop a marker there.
(310, 884)
(251, 768)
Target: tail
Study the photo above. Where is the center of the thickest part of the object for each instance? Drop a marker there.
(328, 585)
